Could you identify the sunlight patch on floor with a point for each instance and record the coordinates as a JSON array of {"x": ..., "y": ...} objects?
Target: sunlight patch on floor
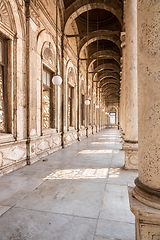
[
  {"x": 114, "y": 172},
  {"x": 108, "y": 138},
  {"x": 99, "y": 151},
  {"x": 111, "y": 135},
  {"x": 88, "y": 173},
  {"x": 105, "y": 143}
]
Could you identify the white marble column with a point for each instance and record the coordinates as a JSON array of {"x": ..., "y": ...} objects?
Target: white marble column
[
  {"x": 146, "y": 201},
  {"x": 131, "y": 102}
]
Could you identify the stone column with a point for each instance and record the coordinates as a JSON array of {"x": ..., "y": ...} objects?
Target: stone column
[
  {"x": 131, "y": 103},
  {"x": 97, "y": 110},
  {"x": 146, "y": 201},
  {"x": 122, "y": 99},
  {"x": 78, "y": 101},
  {"x": 122, "y": 77}
]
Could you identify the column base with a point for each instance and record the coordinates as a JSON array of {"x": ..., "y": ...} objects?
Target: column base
[
  {"x": 147, "y": 219},
  {"x": 131, "y": 154},
  {"x": 147, "y": 195}
]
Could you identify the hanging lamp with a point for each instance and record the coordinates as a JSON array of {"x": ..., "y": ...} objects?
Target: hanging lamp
[
  {"x": 57, "y": 80},
  {"x": 87, "y": 102},
  {"x": 97, "y": 106}
]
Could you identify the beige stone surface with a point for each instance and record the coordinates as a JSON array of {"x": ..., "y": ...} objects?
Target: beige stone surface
[
  {"x": 70, "y": 137},
  {"x": 148, "y": 91},
  {"x": 93, "y": 165},
  {"x": 131, "y": 155},
  {"x": 129, "y": 84}
]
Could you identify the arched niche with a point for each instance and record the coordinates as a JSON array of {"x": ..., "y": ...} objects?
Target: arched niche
[
  {"x": 70, "y": 74},
  {"x": 48, "y": 53},
  {"x": 70, "y": 96},
  {"x": 46, "y": 47}
]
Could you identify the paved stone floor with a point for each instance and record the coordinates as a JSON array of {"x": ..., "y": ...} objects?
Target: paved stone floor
[{"x": 77, "y": 193}]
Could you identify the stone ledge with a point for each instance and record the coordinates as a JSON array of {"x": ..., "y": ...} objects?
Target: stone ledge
[
  {"x": 49, "y": 131},
  {"x": 37, "y": 157},
  {"x": 13, "y": 167},
  {"x": 130, "y": 146},
  {"x": 6, "y": 138}
]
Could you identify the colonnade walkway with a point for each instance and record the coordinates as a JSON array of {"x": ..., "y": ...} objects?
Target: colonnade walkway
[{"x": 77, "y": 193}]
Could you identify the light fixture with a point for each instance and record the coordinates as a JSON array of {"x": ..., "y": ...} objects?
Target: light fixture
[
  {"x": 57, "y": 80},
  {"x": 103, "y": 110},
  {"x": 97, "y": 106},
  {"x": 87, "y": 102}
]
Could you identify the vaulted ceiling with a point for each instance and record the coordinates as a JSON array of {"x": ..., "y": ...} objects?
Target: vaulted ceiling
[{"x": 102, "y": 41}]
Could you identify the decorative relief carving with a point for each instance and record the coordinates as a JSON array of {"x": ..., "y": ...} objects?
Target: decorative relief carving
[
  {"x": 47, "y": 53},
  {"x": 71, "y": 78},
  {"x": 4, "y": 15},
  {"x": 34, "y": 17}
]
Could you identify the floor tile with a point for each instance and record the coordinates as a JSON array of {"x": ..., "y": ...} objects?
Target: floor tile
[
  {"x": 13, "y": 189},
  {"x": 66, "y": 197},
  {"x": 121, "y": 176},
  {"x": 3, "y": 209},
  {"x": 115, "y": 205},
  {"x": 22, "y": 224},
  {"x": 114, "y": 231}
]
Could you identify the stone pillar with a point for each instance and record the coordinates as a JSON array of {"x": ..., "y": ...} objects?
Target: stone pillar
[
  {"x": 131, "y": 103},
  {"x": 99, "y": 109},
  {"x": 122, "y": 99},
  {"x": 78, "y": 101},
  {"x": 145, "y": 202}
]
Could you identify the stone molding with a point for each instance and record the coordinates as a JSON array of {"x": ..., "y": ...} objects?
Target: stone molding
[
  {"x": 147, "y": 189},
  {"x": 147, "y": 219},
  {"x": 34, "y": 15},
  {"x": 146, "y": 195}
]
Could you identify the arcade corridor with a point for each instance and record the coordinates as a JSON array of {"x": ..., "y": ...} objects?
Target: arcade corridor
[{"x": 77, "y": 193}]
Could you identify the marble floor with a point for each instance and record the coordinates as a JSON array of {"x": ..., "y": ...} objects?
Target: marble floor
[{"x": 77, "y": 193}]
